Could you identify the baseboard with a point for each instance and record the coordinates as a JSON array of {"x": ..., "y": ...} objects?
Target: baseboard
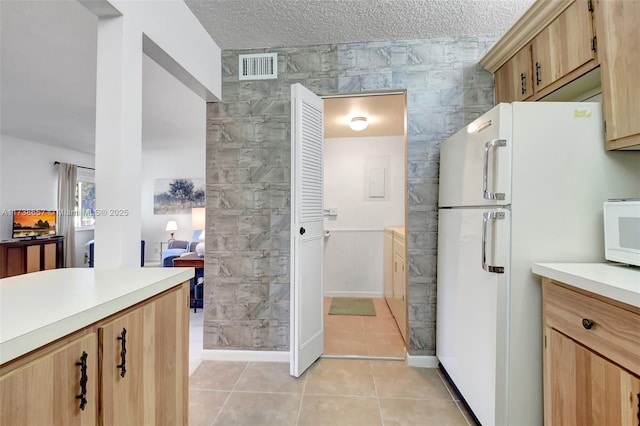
[
  {"x": 238, "y": 355},
  {"x": 373, "y": 294},
  {"x": 422, "y": 361},
  {"x": 193, "y": 365}
]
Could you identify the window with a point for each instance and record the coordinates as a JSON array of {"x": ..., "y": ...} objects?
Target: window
[{"x": 85, "y": 212}]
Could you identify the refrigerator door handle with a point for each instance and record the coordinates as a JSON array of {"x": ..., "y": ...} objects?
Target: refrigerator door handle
[
  {"x": 485, "y": 175},
  {"x": 485, "y": 218}
]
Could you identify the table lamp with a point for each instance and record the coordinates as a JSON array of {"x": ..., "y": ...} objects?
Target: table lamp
[
  {"x": 172, "y": 226},
  {"x": 198, "y": 219}
]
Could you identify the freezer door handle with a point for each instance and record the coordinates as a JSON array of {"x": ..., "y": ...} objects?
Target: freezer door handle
[
  {"x": 485, "y": 175},
  {"x": 487, "y": 216}
]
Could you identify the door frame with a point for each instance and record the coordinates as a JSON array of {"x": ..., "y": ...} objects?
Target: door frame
[{"x": 405, "y": 113}]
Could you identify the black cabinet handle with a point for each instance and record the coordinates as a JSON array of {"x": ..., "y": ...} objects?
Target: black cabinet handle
[
  {"x": 638, "y": 409},
  {"x": 123, "y": 352},
  {"x": 587, "y": 323},
  {"x": 83, "y": 380},
  {"x": 302, "y": 231},
  {"x": 538, "y": 79},
  {"x": 523, "y": 85}
]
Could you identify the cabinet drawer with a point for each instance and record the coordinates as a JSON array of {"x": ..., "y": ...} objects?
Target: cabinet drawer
[{"x": 615, "y": 332}]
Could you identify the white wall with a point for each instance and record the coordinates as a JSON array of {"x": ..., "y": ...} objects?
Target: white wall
[
  {"x": 29, "y": 178},
  {"x": 346, "y": 162},
  {"x": 170, "y": 34},
  {"x": 167, "y": 164},
  {"x": 353, "y": 251}
]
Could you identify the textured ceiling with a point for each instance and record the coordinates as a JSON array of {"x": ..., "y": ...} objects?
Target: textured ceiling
[{"x": 247, "y": 24}]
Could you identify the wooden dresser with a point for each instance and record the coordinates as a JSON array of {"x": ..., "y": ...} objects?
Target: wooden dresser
[{"x": 23, "y": 256}]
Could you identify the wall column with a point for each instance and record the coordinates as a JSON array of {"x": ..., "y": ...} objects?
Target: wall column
[{"x": 118, "y": 143}]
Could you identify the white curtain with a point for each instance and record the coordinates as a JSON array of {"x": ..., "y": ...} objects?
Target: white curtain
[{"x": 67, "y": 174}]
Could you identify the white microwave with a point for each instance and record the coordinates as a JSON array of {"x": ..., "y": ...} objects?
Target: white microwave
[{"x": 622, "y": 231}]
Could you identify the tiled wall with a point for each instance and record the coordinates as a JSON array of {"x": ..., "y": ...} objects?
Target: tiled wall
[{"x": 248, "y": 174}]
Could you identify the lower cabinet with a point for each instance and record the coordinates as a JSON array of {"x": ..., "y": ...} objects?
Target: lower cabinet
[
  {"x": 136, "y": 371},
  {"x": 587, "y": 389},
  {"x": 59, "y": 388},
  {"x": 395, "y": 282},
  {"x": 144, "y": 364},
  {"x": 591, "y": 359}
]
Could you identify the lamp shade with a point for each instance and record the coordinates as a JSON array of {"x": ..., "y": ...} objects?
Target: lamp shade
[
  {"x": 358, "y": 123},
  {"x": 171, "y": 226},
  {"x": 198, "y": 218}
]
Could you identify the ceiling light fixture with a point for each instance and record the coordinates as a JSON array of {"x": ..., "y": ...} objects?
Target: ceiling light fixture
[{"x": 358, "y": 123}]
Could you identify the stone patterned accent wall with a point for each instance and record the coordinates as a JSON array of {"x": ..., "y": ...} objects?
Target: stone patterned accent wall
[
  {"x": 248, "y": 174},
  {"x": 446, "y": 90},
  {"x": 248, "y": 199}
]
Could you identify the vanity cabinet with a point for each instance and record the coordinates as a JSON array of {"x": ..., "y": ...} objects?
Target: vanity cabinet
[
  {"x": 136, "y": 370},
  {"x": 395, "y": 276},
  {"x": 591, "y": 358}
]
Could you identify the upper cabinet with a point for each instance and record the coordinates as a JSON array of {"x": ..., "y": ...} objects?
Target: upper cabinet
[
  {"x": 561, "y": 51},
  {"x": 563, "y": 47},
  {"x": 513, "y": 80},
  {"x": 555, "y": 45},
  {"x": 619, "y": 55}
]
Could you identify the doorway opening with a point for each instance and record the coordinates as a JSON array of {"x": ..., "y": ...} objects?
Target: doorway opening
[{"x": 365, "y": 203}]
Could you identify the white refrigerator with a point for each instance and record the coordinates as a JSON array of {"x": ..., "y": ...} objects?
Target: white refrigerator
[{"x": 524, "y": 183}]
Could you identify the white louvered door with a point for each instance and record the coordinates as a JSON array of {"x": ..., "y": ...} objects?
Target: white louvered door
[{"x": 307, "y": 328}]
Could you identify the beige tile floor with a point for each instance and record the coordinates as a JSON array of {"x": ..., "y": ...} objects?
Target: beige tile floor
[
  {"x": 332, "y": 392},
  {"x": 362, "y": 335}
]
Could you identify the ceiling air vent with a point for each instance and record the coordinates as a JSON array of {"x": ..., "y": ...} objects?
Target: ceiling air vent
[{"x": 260, "y": 66}]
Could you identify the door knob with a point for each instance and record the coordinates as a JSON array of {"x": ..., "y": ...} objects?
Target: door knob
[{"x": 302, "y": 231}]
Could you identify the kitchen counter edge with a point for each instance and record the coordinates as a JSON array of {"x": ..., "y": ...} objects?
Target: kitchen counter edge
[
  {"x": 614, "y": 281},
  {"x": 20, "y": 334}
]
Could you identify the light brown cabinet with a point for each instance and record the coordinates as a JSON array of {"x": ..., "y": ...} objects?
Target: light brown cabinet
[
  {"x": 395, "y": 276},
  {"x": 618, "y": 40},
  {"x": 591, "y": 358},
  {"x": 559, "y": 53},
  {"x": 567, "y": 40},
  {"x": 513, "y": 81},
  {"x": 48, "y": 390},
  {"x": 137, "y": 371},
  {"x": 144, "y": 363},
  {"x": 563, "y": 47}
]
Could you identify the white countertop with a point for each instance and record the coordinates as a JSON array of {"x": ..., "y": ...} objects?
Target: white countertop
[
  {"x": 615, "y": 281},
  {"x": 40, "y": 307}
]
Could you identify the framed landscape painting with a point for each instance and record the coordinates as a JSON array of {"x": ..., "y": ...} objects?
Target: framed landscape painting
[{"x": 176, "y": 196}]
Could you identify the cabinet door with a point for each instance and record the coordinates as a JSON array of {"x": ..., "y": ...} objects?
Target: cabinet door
[
  {"x": 122, "y": 347},
  {"x": 563, "y": 46},
  {"x": 50, "y": 255},
  {"x": 44, "y": 392},
  {"x": 618, "y": 38},
  {"x": 513, "y": 81},
  {"x": 582, "y": 388},
  {"x": 154, "y": 387},
  {"x": 33, "y": 258},
  {"x": 387, "y": 265},
  {"x": 399, "y": 299}
]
